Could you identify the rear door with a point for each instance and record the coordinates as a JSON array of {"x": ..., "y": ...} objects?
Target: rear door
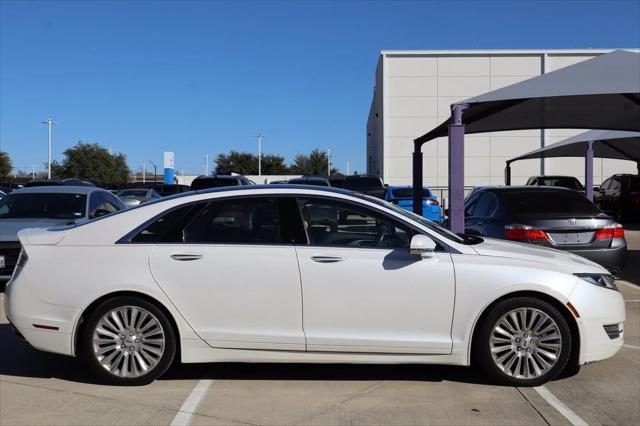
[{"x": 232, "y": 274}]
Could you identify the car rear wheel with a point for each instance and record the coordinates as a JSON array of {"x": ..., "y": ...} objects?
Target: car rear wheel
[
  {"x": 523, "y": 341},
  {"x": 128, "y": 341}
]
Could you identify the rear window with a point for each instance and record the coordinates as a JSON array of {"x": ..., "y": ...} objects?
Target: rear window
[
  {"x": 47, "y": 206},
  {"x": 563, "y": 182},
  {"x": 363, "y": 183},
  {"x": 634, "y": 183},
  {"x": 133, "y": 193},
  {"x": 548, "y": 203},
  {"x": 213, "y": 183},
  {"x": 408, "y": 193}
]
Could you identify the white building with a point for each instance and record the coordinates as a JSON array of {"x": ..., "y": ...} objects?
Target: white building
[{"x": 414, "y": 91}]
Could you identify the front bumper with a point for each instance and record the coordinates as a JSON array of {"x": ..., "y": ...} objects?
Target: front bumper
[{"x": 598, "y": 307}]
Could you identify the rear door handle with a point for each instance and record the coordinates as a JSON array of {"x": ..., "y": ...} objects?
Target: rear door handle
[
  {"x": 185, "y": 257},
  {"x": 327, "y": 259}
]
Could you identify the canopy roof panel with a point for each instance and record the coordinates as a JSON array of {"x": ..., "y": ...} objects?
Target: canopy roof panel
[
  {"x": 600, "y": 93},
  {"x": 606, "y": 144}
]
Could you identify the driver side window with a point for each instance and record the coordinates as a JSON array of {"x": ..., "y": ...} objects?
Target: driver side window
[{"x": 335, "y": 224}]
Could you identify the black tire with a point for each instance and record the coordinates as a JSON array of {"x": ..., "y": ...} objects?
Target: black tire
[
  {"x": 86, "y": 345},
  {"x": 482, "y": 347}
]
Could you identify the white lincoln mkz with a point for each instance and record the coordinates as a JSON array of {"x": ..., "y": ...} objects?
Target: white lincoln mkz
[{"x": 303, "y": 274}]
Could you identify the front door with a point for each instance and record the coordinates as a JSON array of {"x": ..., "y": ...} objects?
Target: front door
[
  {"x": 363, "y": 291},
  {"x": 229, "y": 274}
]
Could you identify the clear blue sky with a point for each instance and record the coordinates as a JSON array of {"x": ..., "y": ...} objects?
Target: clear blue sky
[{"x": 204, "y": 77}]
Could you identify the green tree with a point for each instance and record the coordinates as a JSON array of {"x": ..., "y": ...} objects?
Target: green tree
[
  {"x": 243, "y": 163},
  {"x": 246, "y": 163},
  {"x": 5, "y": 165},
  {"x": 93, "y": 163},
  {"x": 313, "y": 164}
]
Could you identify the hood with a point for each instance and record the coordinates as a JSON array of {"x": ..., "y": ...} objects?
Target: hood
[
  {"x": 9, "y": 227},
  {"x": 541, "y": 256}
]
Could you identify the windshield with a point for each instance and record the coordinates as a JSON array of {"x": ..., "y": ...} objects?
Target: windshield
[
  {"x": 133, "y": 193},
  {"x": 408, "y": 193},
  {"x": 560, "y": 203},
  {"x": 47, "y": 206},
  {"x": 444, "y": 232}
]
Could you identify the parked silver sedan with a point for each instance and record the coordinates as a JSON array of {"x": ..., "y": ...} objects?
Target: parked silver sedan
[{"x": 135, "y": 197}]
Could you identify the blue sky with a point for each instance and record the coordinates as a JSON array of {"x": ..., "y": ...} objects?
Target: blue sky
[{"x": 204, "y": 77}]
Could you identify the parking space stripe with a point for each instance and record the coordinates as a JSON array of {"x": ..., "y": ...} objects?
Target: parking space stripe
[
  {"x": 189, "y": 406},
  {"x": 631, "y": 346},
  {"x": 573, "y": 418}
]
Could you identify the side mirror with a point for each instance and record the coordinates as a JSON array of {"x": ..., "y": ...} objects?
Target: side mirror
[
  {"x": 422, "y": 245},
  {"x": 98, "y": 213}
]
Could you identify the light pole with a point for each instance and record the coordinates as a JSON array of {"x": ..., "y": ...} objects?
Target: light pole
[
  {"x": 206, "y": 164},
  {"x": 144, "y": 172},
  {"x": 49, "y": 121},
  {"x": 328, "y": 161},
  {"x": 347, "y": 167},
  {"x": 155, "y": 170},
  {"x": 259, "y": 136}
]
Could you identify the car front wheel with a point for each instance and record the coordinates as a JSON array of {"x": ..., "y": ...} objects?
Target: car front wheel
[
  {"x": 523, "y": 341},
  {"x": 128, "y": 341}
]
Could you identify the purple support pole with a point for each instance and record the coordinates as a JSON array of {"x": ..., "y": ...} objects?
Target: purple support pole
[
  {"x": 507, "y": 174},
  {"x": 417, "y": 179},
  {"x": 456, "y": 169},
  {"x": 588, "y": 170}
]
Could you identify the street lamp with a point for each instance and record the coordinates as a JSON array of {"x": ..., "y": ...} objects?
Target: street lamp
[
  {"x": 49, "y": 121},
  {"x": 259, "y": 136},
  {"x": 155, "y": 170}
]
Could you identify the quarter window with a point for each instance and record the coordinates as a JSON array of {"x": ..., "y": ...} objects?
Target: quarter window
[{"x": 330, "y": 223}]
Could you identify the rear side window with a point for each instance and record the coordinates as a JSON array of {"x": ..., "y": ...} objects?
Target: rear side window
[
  {"x": 235, "y": 221},
  {"x": 169, "y": 227},
  {"x": 486, "y": 205}
]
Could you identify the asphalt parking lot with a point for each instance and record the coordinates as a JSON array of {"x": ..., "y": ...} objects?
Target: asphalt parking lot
[{"x": 41, "y": 388}]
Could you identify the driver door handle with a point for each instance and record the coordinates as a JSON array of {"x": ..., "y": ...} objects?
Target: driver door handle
[
  {"x": 327, "y": 259},
  {"x": 185, "y": 257}
]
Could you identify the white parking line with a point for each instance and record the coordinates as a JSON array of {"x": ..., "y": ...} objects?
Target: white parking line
[
  {"x": 573, "y": 418},
  {"x": 189, "y": 406},
  {"x": 632, "y": 300},
  {"x": 631, "y": 346}
]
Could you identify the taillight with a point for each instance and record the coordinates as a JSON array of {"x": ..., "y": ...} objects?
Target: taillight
[
  {"x": 611, "y": 231},
  {"x": 524, "y": 232},
  {"x": 432, "y": 202}
]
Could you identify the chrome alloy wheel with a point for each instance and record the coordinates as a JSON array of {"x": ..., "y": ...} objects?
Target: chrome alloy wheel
[
  {"x": 525, "y": 343},
  {"x": 128, "y": 341}
]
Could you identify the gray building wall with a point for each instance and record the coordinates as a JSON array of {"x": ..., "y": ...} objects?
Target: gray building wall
[{"x": 413, "y": 93}]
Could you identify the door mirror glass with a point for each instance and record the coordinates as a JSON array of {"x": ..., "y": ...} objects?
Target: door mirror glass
[{"x": 422, "y": 245}]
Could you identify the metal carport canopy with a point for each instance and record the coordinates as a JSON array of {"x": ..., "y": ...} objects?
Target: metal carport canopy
[
  {"x": 620, "y": 145},
  {"x": 599, "y": 93}
]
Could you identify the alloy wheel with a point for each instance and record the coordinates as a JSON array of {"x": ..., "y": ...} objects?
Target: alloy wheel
[
  {"x": 128, "y": 341},
  {"x": 525, "y": 343}
]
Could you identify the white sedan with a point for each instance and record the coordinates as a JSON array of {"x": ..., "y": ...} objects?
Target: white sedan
[{"x": 304, "y": 274}]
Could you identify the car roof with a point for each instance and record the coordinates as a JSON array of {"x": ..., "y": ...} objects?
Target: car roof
[
  {"x": 234, "y": 177},
  {"x": 309, "y": 178},
  {"x": 519, "y": 188},
  {"x": 58, "y": 189},
  {"x": 555, "y": 176}
]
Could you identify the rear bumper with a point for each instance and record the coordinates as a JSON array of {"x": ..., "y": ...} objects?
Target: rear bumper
[{"x": 610, "y": 258}]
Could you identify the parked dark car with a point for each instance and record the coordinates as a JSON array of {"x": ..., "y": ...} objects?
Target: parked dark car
[
  {"x": 310, "y": 180},
  {"x": 44, "y": 207},
  {"x": 167, "y": 189},
  {"x": 218, "y": 181},
  {"x": 552, "y": 217},
  {"x": 570, "y": 182},
  {"x": 8, "y": 187},
  {"x": 369, "y": 185},
  {"x": 620, "y": 197}
]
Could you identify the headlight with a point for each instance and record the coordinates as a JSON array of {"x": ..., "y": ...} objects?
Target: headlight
[{"x": 601, "y": 280}]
